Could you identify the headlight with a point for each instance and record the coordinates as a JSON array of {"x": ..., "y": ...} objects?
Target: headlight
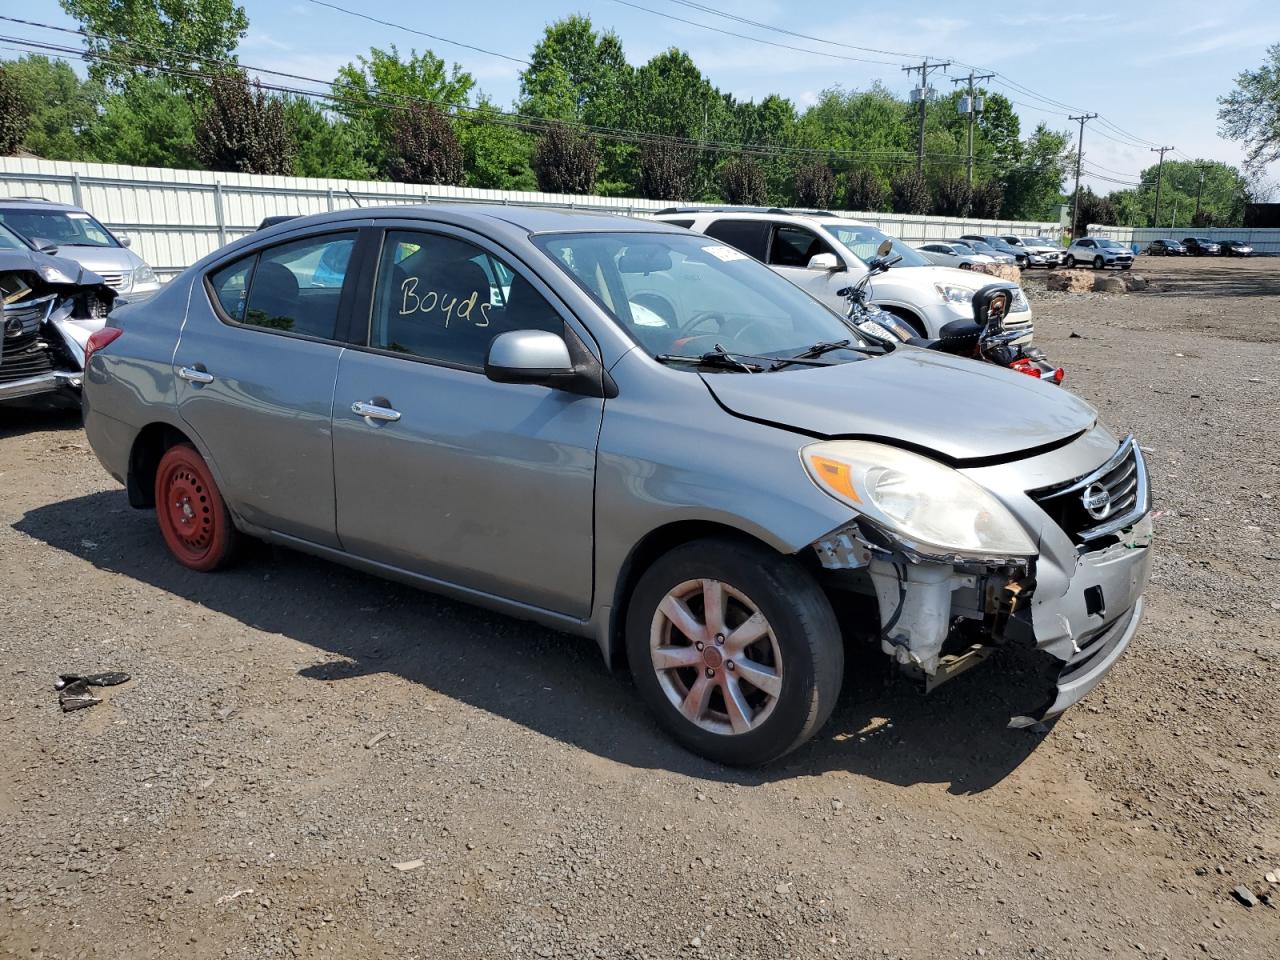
[
  {"x": 143, "y": 274},
  {"x": 953, "y": 294},
  {"x": 54, "y": 275},
  {"x": 933, "y": 507}
]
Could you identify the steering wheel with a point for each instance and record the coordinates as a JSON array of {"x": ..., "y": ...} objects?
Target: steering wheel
[{"x": 701, "y": 317}]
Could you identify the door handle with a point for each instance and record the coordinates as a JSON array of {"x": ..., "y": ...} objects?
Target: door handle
[
  {"x": 371, "y": 411},
  {"x": 195, "y": 375}
]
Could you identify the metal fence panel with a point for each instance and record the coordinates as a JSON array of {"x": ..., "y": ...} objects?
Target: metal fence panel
[{"x": 175, "y": 217}]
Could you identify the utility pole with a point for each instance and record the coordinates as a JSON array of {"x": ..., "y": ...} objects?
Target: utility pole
[
  {"x": 924, "y": 70},
  {"x": 1075, "y": 202},
  {"x": 972, "y": 111},
  {"x": 1199, "y": 190},
  {"x": 1155, "y": 221}
]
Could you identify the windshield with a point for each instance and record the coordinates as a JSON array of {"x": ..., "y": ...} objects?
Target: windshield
[
  {"x": 864, "y": 241},
  {"x": 686, "y": 296},
  {"x": 10, "y": 240},
  {"x": 66, "y": 228},
  {"x": 977, "y": 246},
  {"x": 1112, "y": 245}
]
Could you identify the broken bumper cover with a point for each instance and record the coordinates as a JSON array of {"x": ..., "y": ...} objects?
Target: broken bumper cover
[
  {"x": 44, "y": 383},
  {"x": 1084, "y": 670}
]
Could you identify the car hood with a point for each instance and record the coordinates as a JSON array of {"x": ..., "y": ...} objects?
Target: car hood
[
  {"x": 959, "y": 408},
  {"x": 23, "y": 260},
  {"x": 102, "y": 259},
  {"x": 951, "y": 276}
]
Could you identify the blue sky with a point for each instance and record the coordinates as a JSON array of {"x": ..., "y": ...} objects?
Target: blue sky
[{"x": 1154, "y": 70}]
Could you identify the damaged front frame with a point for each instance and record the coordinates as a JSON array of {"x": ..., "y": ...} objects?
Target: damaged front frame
[{"x": 924, "y": 599}]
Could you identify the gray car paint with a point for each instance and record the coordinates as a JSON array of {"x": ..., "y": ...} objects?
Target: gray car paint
[{"x": 674, "y": 447}]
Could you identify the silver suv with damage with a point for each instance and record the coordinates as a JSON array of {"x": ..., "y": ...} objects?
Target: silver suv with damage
[{"x": 631, "y": 432}]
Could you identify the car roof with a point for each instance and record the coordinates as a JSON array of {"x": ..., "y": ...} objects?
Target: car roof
[
  {"x": 36, "y": 203},
  {"x": 756, "y": 213},
  {"x": 499, "y": 220}
]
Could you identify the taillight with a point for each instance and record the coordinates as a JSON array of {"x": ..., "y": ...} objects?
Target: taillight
[{"x": 99, "y": 340}]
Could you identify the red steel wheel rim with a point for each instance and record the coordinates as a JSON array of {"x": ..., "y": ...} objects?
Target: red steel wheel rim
[{"x": 189, "y": 519}]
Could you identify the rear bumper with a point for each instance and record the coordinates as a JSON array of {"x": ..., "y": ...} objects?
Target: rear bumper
[{"x": 44, "y": 383}]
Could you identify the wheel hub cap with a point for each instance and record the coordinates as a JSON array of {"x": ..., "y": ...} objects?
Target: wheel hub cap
[{"x": 716, "y": 657}]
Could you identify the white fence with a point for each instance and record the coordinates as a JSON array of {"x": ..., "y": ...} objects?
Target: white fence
[
  {"x": 1262, "y": 240},
  {"x": 175, "y": 217}
]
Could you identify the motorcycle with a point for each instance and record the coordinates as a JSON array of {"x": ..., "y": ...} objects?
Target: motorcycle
[{"x": 986, "y": 338}]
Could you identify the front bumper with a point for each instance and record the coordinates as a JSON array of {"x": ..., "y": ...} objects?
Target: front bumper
[{"x": 1074, "y": 609}]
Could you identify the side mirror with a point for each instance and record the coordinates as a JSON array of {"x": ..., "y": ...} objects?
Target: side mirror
[
  {"x": 44, "y": 246},
  {"x": 885, "y": 249},
  {"x": 125, "y": 241},
  {"x": 824, "y": 261},
  {"x": 529, "y": 356}
]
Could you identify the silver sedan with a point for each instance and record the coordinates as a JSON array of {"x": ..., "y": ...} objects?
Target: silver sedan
[{"x": 630, "y": 432}]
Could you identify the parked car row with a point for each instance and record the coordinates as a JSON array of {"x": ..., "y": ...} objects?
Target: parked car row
[
  {"x": 640, "y": 432},
  {"x": 1199, "y": 247}
]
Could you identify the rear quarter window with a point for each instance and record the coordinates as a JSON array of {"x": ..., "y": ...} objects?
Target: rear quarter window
[{"x": 230, "y": 285}]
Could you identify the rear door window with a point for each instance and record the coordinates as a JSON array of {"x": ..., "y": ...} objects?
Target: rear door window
[
  {"x": 749, "y": 236},
  {"x": 230, "y": 285},
  {"x": 297, "y": 286}
]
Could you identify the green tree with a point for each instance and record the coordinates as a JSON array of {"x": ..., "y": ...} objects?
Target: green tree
[
  {"x": 871, "y": 124},
  {"x": 988, "y": 200},
  {"x": 169, "y": 34},
  {"x": 997, "y": 130},
  {"x": 374, "y": 92},
  {"x": 148, "y": 123},
  {"x": 243, "y": 130},
  {"x": 1033, "y": 186},
  {"x": 574, "y": 73},
  {"x": 1251, "y": 112},
  {"x": 62, "y": 106},
  {"x": 1094, "y": 209},
  {"x": 328, "y": 145},
  {"x": 498, "y": 156},
  {"x": 14, "y": 111}
]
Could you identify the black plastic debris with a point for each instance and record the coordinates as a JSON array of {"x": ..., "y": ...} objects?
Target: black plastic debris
[{"x": 74, "y": 689}]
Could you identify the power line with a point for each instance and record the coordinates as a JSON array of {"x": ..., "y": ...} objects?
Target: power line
[
  {"x": 1003, "y": 79},
  {"x": 520, "y": 121},
  {"x": 743, "y": 36},
  {"x": 420, "y": 33}
]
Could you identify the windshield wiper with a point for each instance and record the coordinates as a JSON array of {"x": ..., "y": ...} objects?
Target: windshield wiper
[
  {"x": 719, "y": 357},
  {"x": 825, "y": 346}
]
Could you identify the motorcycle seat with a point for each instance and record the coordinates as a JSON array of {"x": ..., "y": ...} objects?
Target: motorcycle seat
[{"x": 958, "y": 337}]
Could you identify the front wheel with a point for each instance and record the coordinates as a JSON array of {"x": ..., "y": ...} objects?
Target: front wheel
[
  {"x": 193, "y": 518},
  {"x": 1071, "y": 260},
  {"x": 735, "y": 649},
  {"x": 1098, "y": 263}
]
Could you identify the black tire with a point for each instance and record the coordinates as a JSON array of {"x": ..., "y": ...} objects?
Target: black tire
[
  {"x": 1125, "y": 266},
  {"x": 802, "y": 621},
  {"x": 1099, "y": 263},
  {"x": 1071, "y": 261}
]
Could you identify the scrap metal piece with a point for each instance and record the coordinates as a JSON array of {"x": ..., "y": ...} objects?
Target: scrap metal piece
[{"x": 76, "y": 696}]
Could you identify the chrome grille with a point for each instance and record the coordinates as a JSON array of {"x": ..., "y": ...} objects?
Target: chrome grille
[
  {"x": 114, "y": 280},
  {"x": 22, "y": 351},
  {"x": 1105, "y": 501}
]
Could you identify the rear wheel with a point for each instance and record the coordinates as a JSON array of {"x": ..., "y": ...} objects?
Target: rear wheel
[
  {"x": 735, "y": 649},
  {"x": 193, "y": 518}
]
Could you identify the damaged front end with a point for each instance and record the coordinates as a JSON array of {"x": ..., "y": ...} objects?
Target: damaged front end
[
  {"x": 1077, "y": 598},
  {"x": 48, "y": 316}
]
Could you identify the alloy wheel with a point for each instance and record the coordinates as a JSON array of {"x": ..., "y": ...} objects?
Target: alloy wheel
[{"x": 716, "y": 657}]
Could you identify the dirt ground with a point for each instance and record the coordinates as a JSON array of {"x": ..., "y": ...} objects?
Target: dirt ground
[{"x": 234, "y": 800}]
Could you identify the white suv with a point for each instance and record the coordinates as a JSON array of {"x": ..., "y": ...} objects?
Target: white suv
[{"x": 825, "y": 253}]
